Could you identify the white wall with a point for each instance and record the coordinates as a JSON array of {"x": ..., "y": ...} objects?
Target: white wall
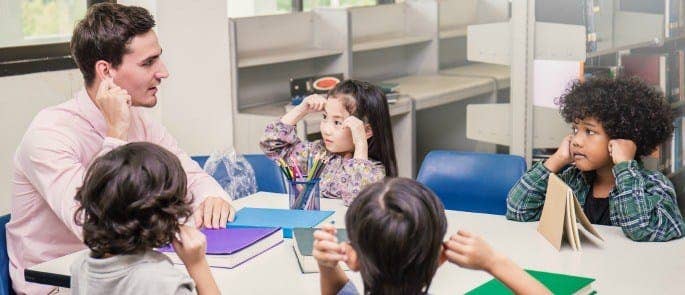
[
  {"x": 193, "y": 104},
  {"x": 196, "y": 107}
]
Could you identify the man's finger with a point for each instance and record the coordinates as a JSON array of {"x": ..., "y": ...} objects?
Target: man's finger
[
  {"x": 198, "y": 216},
  {"x": 225, "y": 212},
  {"x": 207, "y": 218},
  {"x": 216, "y": 214}
]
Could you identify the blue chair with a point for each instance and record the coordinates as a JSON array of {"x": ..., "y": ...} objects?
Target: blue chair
[
  {"x": 268, "y": 175},
  {"x": 469, "y": 181},
  {"x": 5, "y": 283}
]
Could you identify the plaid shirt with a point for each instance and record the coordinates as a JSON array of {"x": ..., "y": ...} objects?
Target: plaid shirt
[{"x": 643, "y": 202}]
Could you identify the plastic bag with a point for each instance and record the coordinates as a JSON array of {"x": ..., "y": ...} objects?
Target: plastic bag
[{"x": 233, "y": 172}]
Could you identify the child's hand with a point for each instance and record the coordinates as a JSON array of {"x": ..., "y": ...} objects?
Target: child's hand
[
  {"x": 561, "y": 157},
  {"x": 313, "y": 103},
  {"x": 310, "y": 104},
  {"x": 327, "y": 251},
  {"x": 191, "y": 247},
  {"x": 357, "y": 128},
  {"x": 622, "y": 150},
  {"x": 470, "y": 251}
]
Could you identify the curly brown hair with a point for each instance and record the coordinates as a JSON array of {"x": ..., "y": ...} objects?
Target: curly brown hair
[
  {"x": 626, "y": 107},
  {"x": 133, "y": 199}
]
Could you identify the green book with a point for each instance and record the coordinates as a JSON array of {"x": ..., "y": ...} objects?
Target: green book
[
  {"x": 303, "y": 245},
  {"x": 557, "y": 283}
]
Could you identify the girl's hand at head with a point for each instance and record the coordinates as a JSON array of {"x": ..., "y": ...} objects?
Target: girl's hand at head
[
  {"x": 191, "y": 247},
  {"x": 313, "y": 103},
  {"x": 470, "y": 251},
  {"x": 357, "y": 128},
  {"x": 327, "y": 251}
]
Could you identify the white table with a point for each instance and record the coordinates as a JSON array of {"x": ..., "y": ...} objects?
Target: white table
[{"x": 620, "y": 266}]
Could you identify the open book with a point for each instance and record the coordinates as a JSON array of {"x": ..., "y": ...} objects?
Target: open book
[{"x": 560, "y": 215}]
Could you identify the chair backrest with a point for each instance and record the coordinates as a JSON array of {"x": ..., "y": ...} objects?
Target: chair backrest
[
  {"x": 5, "y": 283},
  {"x": 268, "y": 175},
  {"x": 469, "y": 181}
]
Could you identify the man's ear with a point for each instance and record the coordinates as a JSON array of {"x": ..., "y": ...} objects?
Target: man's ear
[
  {"x": 352, "y": 258},
  {"x": 369, "y": 131},
  {"x": 103, "y": 70}
]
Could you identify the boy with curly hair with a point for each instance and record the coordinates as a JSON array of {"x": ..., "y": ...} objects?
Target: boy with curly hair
[
  {"x": 614, "y": 124},
  {"x": 133, "y": 200}
]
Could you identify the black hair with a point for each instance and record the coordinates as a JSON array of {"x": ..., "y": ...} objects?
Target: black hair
[
  {"x": 132, "y": 200},
  {"x": 396, "y": 227},
  {"x": 627, "y": 108},
  {"x": 368, "y": 103}
]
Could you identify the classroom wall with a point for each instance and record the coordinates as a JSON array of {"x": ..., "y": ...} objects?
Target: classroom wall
[{"x": 194, "y": 102}]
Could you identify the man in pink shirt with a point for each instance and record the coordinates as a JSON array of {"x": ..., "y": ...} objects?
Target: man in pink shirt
[{"x": 119, "y": 57}]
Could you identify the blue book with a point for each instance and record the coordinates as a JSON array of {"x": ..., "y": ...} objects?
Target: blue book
[{"x": 286, "y": 219}]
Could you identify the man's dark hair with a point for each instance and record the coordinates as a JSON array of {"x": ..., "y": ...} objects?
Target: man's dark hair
[
  {"x": 104, "y": 33},
  {"x": 132, "y": 199},
  {"x": 396, "y": 226},
  {"x": 627, "y": 108}
]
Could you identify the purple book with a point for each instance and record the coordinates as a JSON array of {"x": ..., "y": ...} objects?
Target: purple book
[{"x": 230, "y": 247}]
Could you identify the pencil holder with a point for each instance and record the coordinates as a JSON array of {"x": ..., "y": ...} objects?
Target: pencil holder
[{"x": 304, "y": 195}]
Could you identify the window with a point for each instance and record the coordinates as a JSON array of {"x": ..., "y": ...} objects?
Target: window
[
  {"x": 243, "y": 8},
  {"x": 34, "y": 34},
  {"x": 311, "y": 4},
  {"x": 31, "y": 22}
]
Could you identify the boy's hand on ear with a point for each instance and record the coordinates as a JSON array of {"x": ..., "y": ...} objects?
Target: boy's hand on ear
[
  {"x": 470, "y": 251},
  {"x": 622, "y": 150},
  {"x": 561, "y": 157},
  {"x": 191, "y": 246},
  {"x": 115, "y": 105},
  {"x": 327, "y": 251}
]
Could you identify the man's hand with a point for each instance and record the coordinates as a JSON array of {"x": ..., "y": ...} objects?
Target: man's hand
[
  {"x": 115, "y": 105},
  {"x": 213, "y": 212}
]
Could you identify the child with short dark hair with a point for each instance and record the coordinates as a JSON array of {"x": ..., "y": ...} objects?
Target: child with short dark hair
[
  {"x": 132, "y": 201},
  {"x": 614, "y": 124},
  {"x": 396, "y": 229}
]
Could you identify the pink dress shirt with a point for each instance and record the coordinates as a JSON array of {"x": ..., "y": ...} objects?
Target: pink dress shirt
[{"x": 49, "y": 166}]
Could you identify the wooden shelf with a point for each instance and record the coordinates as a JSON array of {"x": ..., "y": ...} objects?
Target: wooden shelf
[
  {"x": 452, "y": 32},
  {"x": 500, "y": 73},
  {"x": 386, "y": 41},
  {"x": 434, "y": 90},
  {"x": 273, "y": 56}
]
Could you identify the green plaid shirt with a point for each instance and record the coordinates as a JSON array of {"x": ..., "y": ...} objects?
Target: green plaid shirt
[{"x": 643, "y": 202}]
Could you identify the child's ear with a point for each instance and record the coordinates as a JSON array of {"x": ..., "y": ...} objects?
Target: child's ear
[
  {"x": 369, "y": 131},
  {"x": 352, "y": 258},
  {"x": 442, "y": 258}
]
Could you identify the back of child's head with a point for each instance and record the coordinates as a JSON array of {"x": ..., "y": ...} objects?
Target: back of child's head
[
  {"x": 396, "y": 227},
  {"x": 131, "y": 200},
  {"x": 627, "y": 108},
  {"x": 368, "y": 103}
]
